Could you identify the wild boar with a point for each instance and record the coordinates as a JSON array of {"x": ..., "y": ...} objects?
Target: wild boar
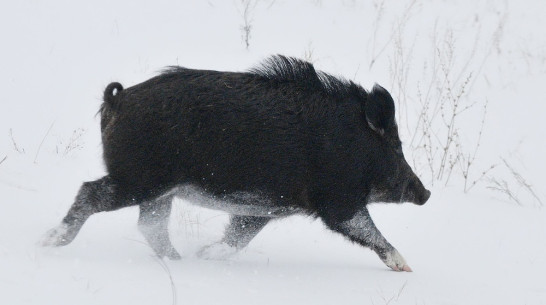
[{"x": 274, "y": 141}]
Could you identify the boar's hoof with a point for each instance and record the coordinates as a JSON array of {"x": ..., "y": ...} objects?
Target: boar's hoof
[
  {"x": 217, "y": 251},
  {"x": 396, "y": 262},
  {"x": 172, "y": 254},
  {"x": 166, "y": 251},
  {"x": 58, "y": 236},
  {"x": 163, "y": 248}
]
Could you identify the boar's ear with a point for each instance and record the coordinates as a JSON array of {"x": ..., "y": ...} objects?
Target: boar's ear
[{"x": 379, "y": 109}]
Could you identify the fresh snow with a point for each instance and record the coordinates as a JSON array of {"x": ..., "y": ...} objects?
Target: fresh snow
[{"x": 464, "y": 248}]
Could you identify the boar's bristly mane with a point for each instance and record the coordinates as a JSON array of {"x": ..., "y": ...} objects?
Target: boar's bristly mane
[{"x": 288, "y": 69}]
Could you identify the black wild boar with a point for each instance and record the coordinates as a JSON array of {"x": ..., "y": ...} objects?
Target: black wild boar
[{"x": 278, "y": 140}]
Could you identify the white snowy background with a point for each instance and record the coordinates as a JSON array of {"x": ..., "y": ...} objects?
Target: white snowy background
[{"x": 472, "y": 243}]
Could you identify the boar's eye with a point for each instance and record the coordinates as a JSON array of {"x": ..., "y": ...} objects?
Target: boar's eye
[{"x": 398, "y": 150}]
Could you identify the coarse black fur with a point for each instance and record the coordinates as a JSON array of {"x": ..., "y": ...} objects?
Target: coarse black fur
[
  {"x": 287, "y": 69},
  {"x": 282, "y": 131}
]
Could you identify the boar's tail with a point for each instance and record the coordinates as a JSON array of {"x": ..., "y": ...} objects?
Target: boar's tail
[
  {"x": 109, "y": 97},
  {"x": 109, "y": 105}
]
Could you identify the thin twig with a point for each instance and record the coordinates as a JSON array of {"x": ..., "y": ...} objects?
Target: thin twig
[
  {"x": 246, "y": 28},
  {"x": 519, "y": 178},
  {"x": 168, "y": 271},
  {"x": 502, "y": 187},
  {"x": 15, "y": 146},
  {"x": 4, "y": 159},
  {"x": 43, "y": 139},
  {"x": 164, "y": 267}
]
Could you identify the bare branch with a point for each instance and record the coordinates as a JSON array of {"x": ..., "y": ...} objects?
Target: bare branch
[
  {"x": 42, "y": 142},
  {"x": 15, "y": 146}
]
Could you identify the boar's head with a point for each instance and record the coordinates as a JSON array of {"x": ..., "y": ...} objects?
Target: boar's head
[{"x": 390, "y": 177}]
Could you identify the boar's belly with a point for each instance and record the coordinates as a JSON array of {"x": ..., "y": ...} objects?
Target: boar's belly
[{"x": 237, "y": 203}]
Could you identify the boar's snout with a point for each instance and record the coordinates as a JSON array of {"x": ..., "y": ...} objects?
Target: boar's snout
[
  {"x": 415, "y": 192},
  {"x": 424, "y": 197}
]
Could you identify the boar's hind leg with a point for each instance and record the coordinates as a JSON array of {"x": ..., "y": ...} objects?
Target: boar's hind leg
[
  {"x": 93, "y": 197},
  {"x": 239, "y": 232},
  {"x": 242, "y": 229},
  {"x": 153, "y": 222},
  {"x": 361, "y": 229}
]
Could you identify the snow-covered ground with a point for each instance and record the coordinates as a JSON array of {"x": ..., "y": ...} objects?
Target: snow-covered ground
[{"x": 479, "y": 247}]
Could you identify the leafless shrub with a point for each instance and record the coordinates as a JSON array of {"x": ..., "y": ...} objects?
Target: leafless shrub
[
  {"x": 443, "y": 146},
  {"x": 377, "y": 51},
  {"x": 436, "y": 133},
  {"x": 435, "y": 107},
  {"x": 467, "y": 159},
  {"x": 437, "y": 145},
  {"x": 400, "y": 65},
  {"x": 379, "y": 7},
  {"x": 500, "y": 185},
  {"x": 515, "y": 189},
  {"x": 75, "y": 142},
  {"x": 248, "y": 7}
]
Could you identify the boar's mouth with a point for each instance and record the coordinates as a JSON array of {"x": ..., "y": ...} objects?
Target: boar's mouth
[
  {"x": 416, "y": 194},
  {"x": 409, "y": 191}
]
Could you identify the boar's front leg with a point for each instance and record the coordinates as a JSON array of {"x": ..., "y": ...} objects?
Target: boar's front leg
[{"x": 361, "y": 229}]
